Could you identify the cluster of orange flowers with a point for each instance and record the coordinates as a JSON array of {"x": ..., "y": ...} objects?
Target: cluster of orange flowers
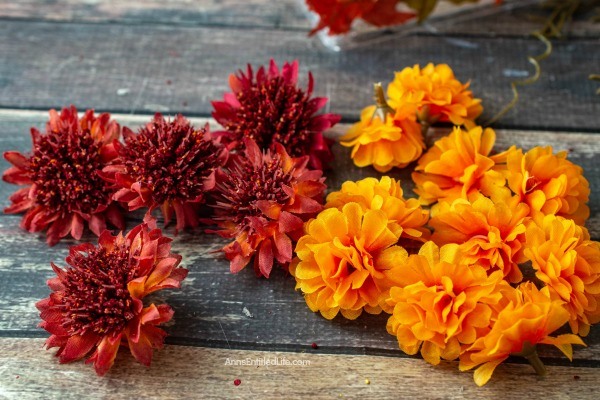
[{"x": 496, "y": 266}]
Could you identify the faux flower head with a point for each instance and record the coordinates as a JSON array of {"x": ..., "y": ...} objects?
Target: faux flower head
[
  {"x": 385, "y": 194},
  {"x": 440, "y": 304},
  {"x": 167, "y": 165},
  {"x": 270, "y": 108},
  {"x": 460, "y": 166},
  {"x": 549, "y": 183},
  {"x": 527, "y": 317},
  {"x": 262, "y": 201},
  {"x": 96, "y": 302},
  {"x": 344, "y": 260},
  {"x": 489, "y": 234},
  {"x": 436, "y": 92},
  {"x": 568, "y": 263},
  {"x": 64, "y": 192}
]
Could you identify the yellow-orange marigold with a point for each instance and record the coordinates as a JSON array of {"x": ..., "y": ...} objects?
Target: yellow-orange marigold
[
  {"x": 568, "y": 262},
  {"x": 440, "y": 303},
  {"x": 437, "y": 93},
  {"x": 490, "y": 234},
  {"x": 342, "y": 260},
  {"x": 549, "y": 183},
  {"x": 528, "y": 316}
]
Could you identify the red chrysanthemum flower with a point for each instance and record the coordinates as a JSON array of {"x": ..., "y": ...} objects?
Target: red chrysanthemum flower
[
  {"x": 168, "y": 165},
  {"x": 64, "y": 191},
  {"x": 96, "y": 302},
  {"x": 263, "y": 201},
  {"x": 269, "y": 108}
]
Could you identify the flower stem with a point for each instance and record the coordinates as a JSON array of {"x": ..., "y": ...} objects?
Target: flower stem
[
  {"x": 383, "y": 108},
  {"x": 529, "y": 352}
]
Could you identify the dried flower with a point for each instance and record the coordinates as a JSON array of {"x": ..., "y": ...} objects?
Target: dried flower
[
  {"x": 568, "y": 262},
  {"x": 262, "y": 202},
  {"x": 168, "y": 165},
  {"x": 269, "y": 108},
  {"x": 345, "y": 261},
  {"x": 64, "y": 192},
  {"x": 96, "y": 302},
  {"x": 549, "y": 183}
]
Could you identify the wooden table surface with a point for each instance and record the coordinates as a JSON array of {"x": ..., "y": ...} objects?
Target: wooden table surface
[{"x": 132, "y": 58}]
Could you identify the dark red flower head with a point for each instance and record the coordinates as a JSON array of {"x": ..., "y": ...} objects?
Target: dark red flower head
[
  {"x": 262, "y": 201},
  {"x": 64, "y": 190},
  {"x": 96, "y": 302},
  {"x": 168, "y": 165},
  {"x": 269, "y": 108}
]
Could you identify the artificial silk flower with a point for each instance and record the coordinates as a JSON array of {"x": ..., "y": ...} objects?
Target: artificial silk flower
[
  {"x": 96, "y": 305},
  {"x": 526, "y": 317},
  {"x": 166, "y": 165},
  {"x": 568, "y": 263},
  {"x": 440, "y": 304},
  {"x": 345, "y": 260},
  {"x": 549, "y": 183},
  {"x": 262, "y": 201},
  {"x": 489, "y": 234},
  {"x": 270, "y": 108},
  {"x": 437, "y": 94},
  {"x": 64, "y": 192}
]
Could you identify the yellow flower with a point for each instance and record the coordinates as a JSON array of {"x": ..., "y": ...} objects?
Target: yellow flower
[
  {"x": 440, "y": 303},
  {"x": 490, "y": 234},
  {"x": 527, "y": 317},
  {"x": 549, "y": 183},
  {"x": 437, "y": 93},
  {"x": 395, "y": 142},
  {"x": 342, "y": 260},
  {"x": 460, "y": 166},
  {"x": 385, "y": 194},
  {"x": 568, "y": 262}
]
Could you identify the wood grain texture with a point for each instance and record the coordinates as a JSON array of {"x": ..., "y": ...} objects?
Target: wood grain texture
[{"x": 190, "y": 372}]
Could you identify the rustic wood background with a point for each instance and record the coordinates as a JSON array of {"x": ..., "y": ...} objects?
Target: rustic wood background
[{"x": 134, "y": 58}]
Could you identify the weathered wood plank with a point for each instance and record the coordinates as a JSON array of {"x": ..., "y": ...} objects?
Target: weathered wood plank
[
  {"x": 191, "y": 372},
  {"x": 50, "y": 65}
]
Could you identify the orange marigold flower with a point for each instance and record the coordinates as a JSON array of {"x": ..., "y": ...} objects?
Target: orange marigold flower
[
  {"x": 439, "y": 96},
  {"x": 526, "y": 318},
  {"x": 440, "y": 304},
  {"x": 489, "y": 234},
  {"x": 344, "y": 261},
  {"x": 385, "y": 194},
  {"x": 568, "y": 262},
  {"x": 96, "y": 302},
  {"x": 549, "y": 183},
  {"x": 461, "y": 166}
]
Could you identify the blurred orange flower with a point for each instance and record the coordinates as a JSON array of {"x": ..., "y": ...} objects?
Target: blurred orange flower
[
  {"x": 549, "y": 183},
  {"x": 568, "y": 262},
  {"x": 344, "y": 259},
  {"x": 490, "y": 234},
  {"x": 441, "y": 303}
]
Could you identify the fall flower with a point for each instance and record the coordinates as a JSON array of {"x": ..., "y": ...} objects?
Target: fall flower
[
  {"x": 96, "y": 302},
  {"x": 461, "y": 166},
  {"x": 549, "y": 183},
  {"x": 440, "y": 304},
  {"x": 489, "y": 234},
  {"x": 269, "y": 108},
  {"x": 262, "y": 201},
  {"x": 168, "y": 165},
  {"x": 568, "y": 262},
  {"x": 344, "y": 261},
  {"x": 528, "y": 317},
  {"x": 439, "y": 96},
  {"x": 64, "y": 192}
]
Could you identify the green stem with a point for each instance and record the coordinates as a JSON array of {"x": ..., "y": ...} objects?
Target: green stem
[{"x": 383, "y": 108}]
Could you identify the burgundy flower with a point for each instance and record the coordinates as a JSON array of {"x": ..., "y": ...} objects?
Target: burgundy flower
[
  {"x": 96, "y": 302},
  {"x": 64, "y": 190},
  {"x": 269, "y": 108},
  {"x": 262, "y": 202},
  {"x": 168, "y": 165}
]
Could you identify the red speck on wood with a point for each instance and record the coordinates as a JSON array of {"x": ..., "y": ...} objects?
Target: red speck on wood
[
  {"x": 237, "y": 382},
  {"x": 314, "y": 346}
]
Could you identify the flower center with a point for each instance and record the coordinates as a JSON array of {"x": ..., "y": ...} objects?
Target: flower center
[{"x": 531, "y": 183}]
